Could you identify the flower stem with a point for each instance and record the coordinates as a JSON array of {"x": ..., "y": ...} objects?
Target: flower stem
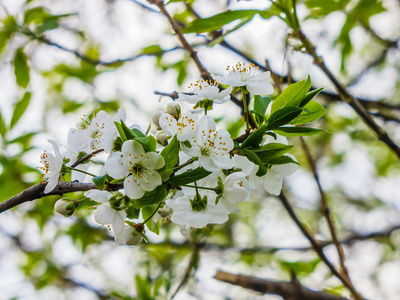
[
  {"x": 81, "y": 171},
  {"x": 199, "y": 187},
  {"x": 154, "y": 212},
  {"x": 245, "y": 98},
  {"x": 193, "y": 159}
]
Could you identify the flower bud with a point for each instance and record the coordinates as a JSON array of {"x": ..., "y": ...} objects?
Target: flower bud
[
  {"x": 173, "y": 109},
  {"x": 155, "y": 118},
  {"x": 129, "y": 237},
  {"x": 161, "y": 137},
  {"x": 65, "y": 208}
]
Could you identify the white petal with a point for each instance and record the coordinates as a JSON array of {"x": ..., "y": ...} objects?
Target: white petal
[
  {"x": 207, "y": 163},
  {"x": 229, "y": 206},
  {"x": 98, "y": 196},
  {"x": 51, "y": 184},
  {"x": 119, "y": 224},
  {"x": 151, "y": 182},
  {"x": 104, "y": 214},
  {"x": 153, "y": 160},
  {"x": 193, "y": 99},
  {"x": 222, "y": 162},
  {"x": 260, "y": 87},
  {"x": 78, "y": 140},
  {"x": 117, "y": 167},
  {"x": 133, "y": 189},
  {"x": 168, "y": 124},
  {"x": 132, "y": 147}
]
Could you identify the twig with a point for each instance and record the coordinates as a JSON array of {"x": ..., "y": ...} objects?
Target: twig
[
  {"x": 193, "y": 259},
  {"x": 37, "y": 192},
  {"x": 292, "y": 290},
  {"x": 85, "y": 158},
  {"x": 325, "y": 208},
  {"x": 318, "y": 249}
]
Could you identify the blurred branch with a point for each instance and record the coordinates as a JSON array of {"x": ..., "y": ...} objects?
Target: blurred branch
[
  {"x": 193, "y": 260},
  {"x": 346, "y": 96},
  {"x": 292, "y": 290},
  {"x": 325, "y": 208},
  {"x": 37, "y": 192},
  {"x": 318, "y": 249}
]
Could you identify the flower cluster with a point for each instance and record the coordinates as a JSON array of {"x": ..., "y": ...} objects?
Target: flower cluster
[{"x": 187, "y": 170}]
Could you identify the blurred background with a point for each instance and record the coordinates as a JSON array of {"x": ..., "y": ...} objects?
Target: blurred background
[{"x": 62, "y": 59}]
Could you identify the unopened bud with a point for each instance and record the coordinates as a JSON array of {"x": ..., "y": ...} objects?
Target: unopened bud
[
  {"x": 155, "y": 118},
  {"x": 173, "y": 109},
  {"x": 161, "y": 137},
  {"x": 65, "y": 208},
  {"x": 129, "y": 236}
]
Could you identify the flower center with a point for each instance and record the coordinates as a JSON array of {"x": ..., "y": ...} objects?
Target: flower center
[{"x": 137, "y": 169}]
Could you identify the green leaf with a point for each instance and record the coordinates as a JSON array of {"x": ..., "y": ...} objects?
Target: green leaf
[
  {"x": 151, "y": 50},
  {"x": 293, "y": 95},
  {"x": 171, "y": 157},
  {"x": 320, "y": 8},
  {"x": 149, "y": 143},
  {"x": 255, "y": 138},
  {"x": 270, "y": 152},
  {"x": 3, "y": 127},
  {"x": 262, "y": 170},
  {"x": 129, "y": 134},
  {"x": 309, "y": 96},
  {"x": 297, "y": 131},
  {"x": 36, "y": 15},
  {"x": 260, "y": 107},
  {"x": 153, "y": 197},
  {"x": 21, "y": 68},
  {"x": 311, "y": 112},
  {"x": 218, "y": 21},
  {"x": 283, "y": 116},
  {"x": 189, "y": 176},
  {"x": 99, "y": 181},
  {"x": 146, "y": 213},
  {"x": 20, "y": 108}
]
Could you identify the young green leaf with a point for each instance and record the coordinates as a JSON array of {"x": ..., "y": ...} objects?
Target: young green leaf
[
  {"x": 270, "y": 152},
  {"x": 309, "y": 96},
  {"x": 149, "y": 143},
  {"x": 153, "y": 197},
  {"x": 297, "y": 131},
  {"x": 311, "y": 112},
  {"x": 283, "y": 116},
  {"x": 20, "y": 108},
  {"x": 3, "y": 127},
  {"x": 293, "y": 95},
  {"x": 262, "y": 168},
  {"x": 189, "y": 176},
  {"x": 99, "y": 181},
  {"x": 171, "y": 157},
  {"x": 255, "y": 138},
  {"x": 21, "y": 68},
  {"x": 260, "y": 107}
]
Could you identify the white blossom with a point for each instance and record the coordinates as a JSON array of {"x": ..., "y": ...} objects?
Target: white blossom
[
  {"x": 184, "y": 128},
  {"x": 99, "y": 133},
  {"x": 127, "y": 238},
  {"x": 236, "y": 189},
  {"x": 203, "y": 90},
  {"x": 244, "y": 74},
  {"x": 184, "y": 213},
  {"x": 211, "y": 146},
  {"x": 104, "y": 213},
  {"x": 52, "y": 164},
  {"x": 137, "y": 167}
]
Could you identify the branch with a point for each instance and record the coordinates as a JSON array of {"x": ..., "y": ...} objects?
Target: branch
[
  {"x": 292, "y": 290},
  {"x": 318, "y": 249},
  {"x": 37, "y": 192},
  {"x": 325, "y": 208},
  {"x": 347, "y": 97}
]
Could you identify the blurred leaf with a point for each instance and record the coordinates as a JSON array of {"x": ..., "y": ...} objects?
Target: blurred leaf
[
  {"x": 152, "y": 49},
  {"x": 320, "y": 8},
  {"x": 21, "y": 68},
  {"x": 20, "y": 108},
  {"x": 8, "y": 29},
  {"x": 3, "y": 127},
  {"x": 300, "y": 268},
  {"x": 218, "y": 21}
]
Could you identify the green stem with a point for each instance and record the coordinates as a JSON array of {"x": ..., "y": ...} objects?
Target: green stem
[
  {"x": 81, "y": 171},
  {"x": 199, "y": 187},
  {"x": 185, "y": 164},
  {"x": 154, "y": 212},
  {"x": 246, "y": 110}
]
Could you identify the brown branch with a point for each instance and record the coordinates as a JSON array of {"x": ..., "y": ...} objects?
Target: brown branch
[
  {"x": 318, "y": 249},
  {"x": 37, "y": 192},
  {"x": 347, "y": 97},
  {"x": 85, "y": 158},
  {"x": 292, "y": 290},
  {"x": 325, "y": 208}
]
